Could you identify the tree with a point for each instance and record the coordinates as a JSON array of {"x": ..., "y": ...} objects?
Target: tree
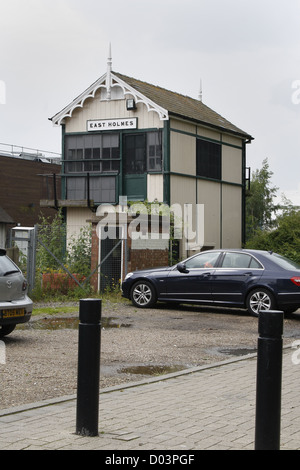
[
  {"x": 260, "y": 209},
  {"x": 284, "y": 238}
]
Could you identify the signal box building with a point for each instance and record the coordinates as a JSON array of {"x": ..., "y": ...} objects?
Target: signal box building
[{"x": 123, "y": 137}]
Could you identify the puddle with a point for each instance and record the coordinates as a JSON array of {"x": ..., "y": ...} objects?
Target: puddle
[
  {"x": 69, "y": 323},
  {"x": 237, "y": 351},
  {"x": 215, "y": 351},
  {"x": 150, "y": 370}
]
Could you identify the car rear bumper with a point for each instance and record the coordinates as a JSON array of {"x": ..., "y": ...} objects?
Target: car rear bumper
[
  {"x": 17, "y": 311},
  {"x": 287, "y": 302}
]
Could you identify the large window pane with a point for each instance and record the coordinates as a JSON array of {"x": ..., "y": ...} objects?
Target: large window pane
[
  {"x": 102, "y": 188},
  {"x": 92, "y": 153},
  {"x": 208, "y": 161},
  {"x": 134, "y": 154},
  {"x": 154, "y": 151}
]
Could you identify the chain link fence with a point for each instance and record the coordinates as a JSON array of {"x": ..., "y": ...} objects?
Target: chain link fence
[
  {"x": 63, "y": 258},
  {"x": 56, "y": 258}
]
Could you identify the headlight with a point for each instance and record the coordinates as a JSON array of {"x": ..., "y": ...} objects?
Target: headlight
[{"x": 128, "y": 276}]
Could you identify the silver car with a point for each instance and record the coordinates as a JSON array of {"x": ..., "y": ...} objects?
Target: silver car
[{"x": 15, "y": 305}]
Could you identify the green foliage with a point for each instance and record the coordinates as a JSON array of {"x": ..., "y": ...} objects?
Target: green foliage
[
  {"x": 284, "y": 238},
  {"x": 269, "y": 226},
  {"x": 55, "y": 253},
  {"x": 260, "y": 209},
  {"x": 79, "y": 252},
  {"x": 53, "y": 236},
  {"x": 76, "y": 255},
  {"x": 42, "y": 294}
]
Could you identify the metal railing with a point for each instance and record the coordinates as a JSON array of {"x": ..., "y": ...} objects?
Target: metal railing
[{"x": 27, "y": 153}]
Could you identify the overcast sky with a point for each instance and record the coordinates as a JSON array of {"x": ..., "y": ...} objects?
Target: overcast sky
[{"x": 247, "y": 55}]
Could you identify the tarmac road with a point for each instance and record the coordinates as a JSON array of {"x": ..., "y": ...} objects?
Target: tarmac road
[{"x": 41, "y": 358}]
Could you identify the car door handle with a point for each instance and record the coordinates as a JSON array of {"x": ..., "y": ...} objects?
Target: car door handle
[
  {"x": 205, "y": 274},
  {"x": 248, "y": 274}
]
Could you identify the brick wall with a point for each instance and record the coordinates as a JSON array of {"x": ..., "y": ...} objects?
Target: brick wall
[
  {"x": 143, "y": 259},
  {"x": 20, "y": 189}
]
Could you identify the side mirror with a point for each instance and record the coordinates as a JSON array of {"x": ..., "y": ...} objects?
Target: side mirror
[{"x": 182, "y": 268}]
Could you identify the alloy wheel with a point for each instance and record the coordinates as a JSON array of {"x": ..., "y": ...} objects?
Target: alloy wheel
[
  {"x": 142, "y": 294},
  {"x": 260, "y": 300}
]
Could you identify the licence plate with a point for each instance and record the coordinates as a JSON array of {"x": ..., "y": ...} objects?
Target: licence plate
[{"x": 12, "y": 313}]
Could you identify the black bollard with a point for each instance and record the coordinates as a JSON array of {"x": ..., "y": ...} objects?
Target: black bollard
[
  {"x": 87, "y": 413},
  {"x": 269, "y": 380}
]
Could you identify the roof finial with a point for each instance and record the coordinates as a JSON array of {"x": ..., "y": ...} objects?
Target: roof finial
[
  {"x": 200, "y": 90},
  {"x": 108, "y": 75}
]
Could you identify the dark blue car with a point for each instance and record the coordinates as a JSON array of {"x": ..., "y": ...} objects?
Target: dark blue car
[{"x": 250, "y": 279}]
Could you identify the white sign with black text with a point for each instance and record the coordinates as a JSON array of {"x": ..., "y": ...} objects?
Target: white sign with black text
[{"x": 112, "y": 124}]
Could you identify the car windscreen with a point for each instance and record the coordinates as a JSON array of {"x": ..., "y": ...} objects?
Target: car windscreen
[
  {"x": 7, "y": 266},
  {"x": 284, "y": 262}
]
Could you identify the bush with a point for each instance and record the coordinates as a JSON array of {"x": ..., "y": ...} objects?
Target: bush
[
  {"x": 284, "y": 239},
  {"x": 54, "y": 254}
]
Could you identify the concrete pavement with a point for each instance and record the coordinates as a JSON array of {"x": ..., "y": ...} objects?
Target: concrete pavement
[{"x": 211, "y": 407}]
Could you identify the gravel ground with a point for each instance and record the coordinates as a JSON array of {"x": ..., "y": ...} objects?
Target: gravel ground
[{"x": 41, "y": 357}]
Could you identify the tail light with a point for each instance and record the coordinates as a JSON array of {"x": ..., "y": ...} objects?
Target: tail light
[
  {"x": 296, "y": 280},
  {"x": 24, "y": 286}
]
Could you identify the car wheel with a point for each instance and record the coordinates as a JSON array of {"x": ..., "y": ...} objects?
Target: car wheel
[
  {"x": 260, "y": 299},
  {"x": 6, "y": 330},
  {"x": 143, "y": 294}
]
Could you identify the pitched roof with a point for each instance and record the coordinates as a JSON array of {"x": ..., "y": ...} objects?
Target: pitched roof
[
  {"x": 165, "y": 102},
  {"x": 5, "y": 218},
  {"x": 183, "y": 106}
]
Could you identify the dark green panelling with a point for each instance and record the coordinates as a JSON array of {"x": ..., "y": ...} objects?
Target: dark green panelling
[
  {"x": 244, "y": 196},
  {"x": 119, "y": 186},
  {"x": 63, "y": 182},
  {"x": 135, "y": 187},
  {"x": 166, "y": 162},
  {"x": 221, "y": 216}
]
